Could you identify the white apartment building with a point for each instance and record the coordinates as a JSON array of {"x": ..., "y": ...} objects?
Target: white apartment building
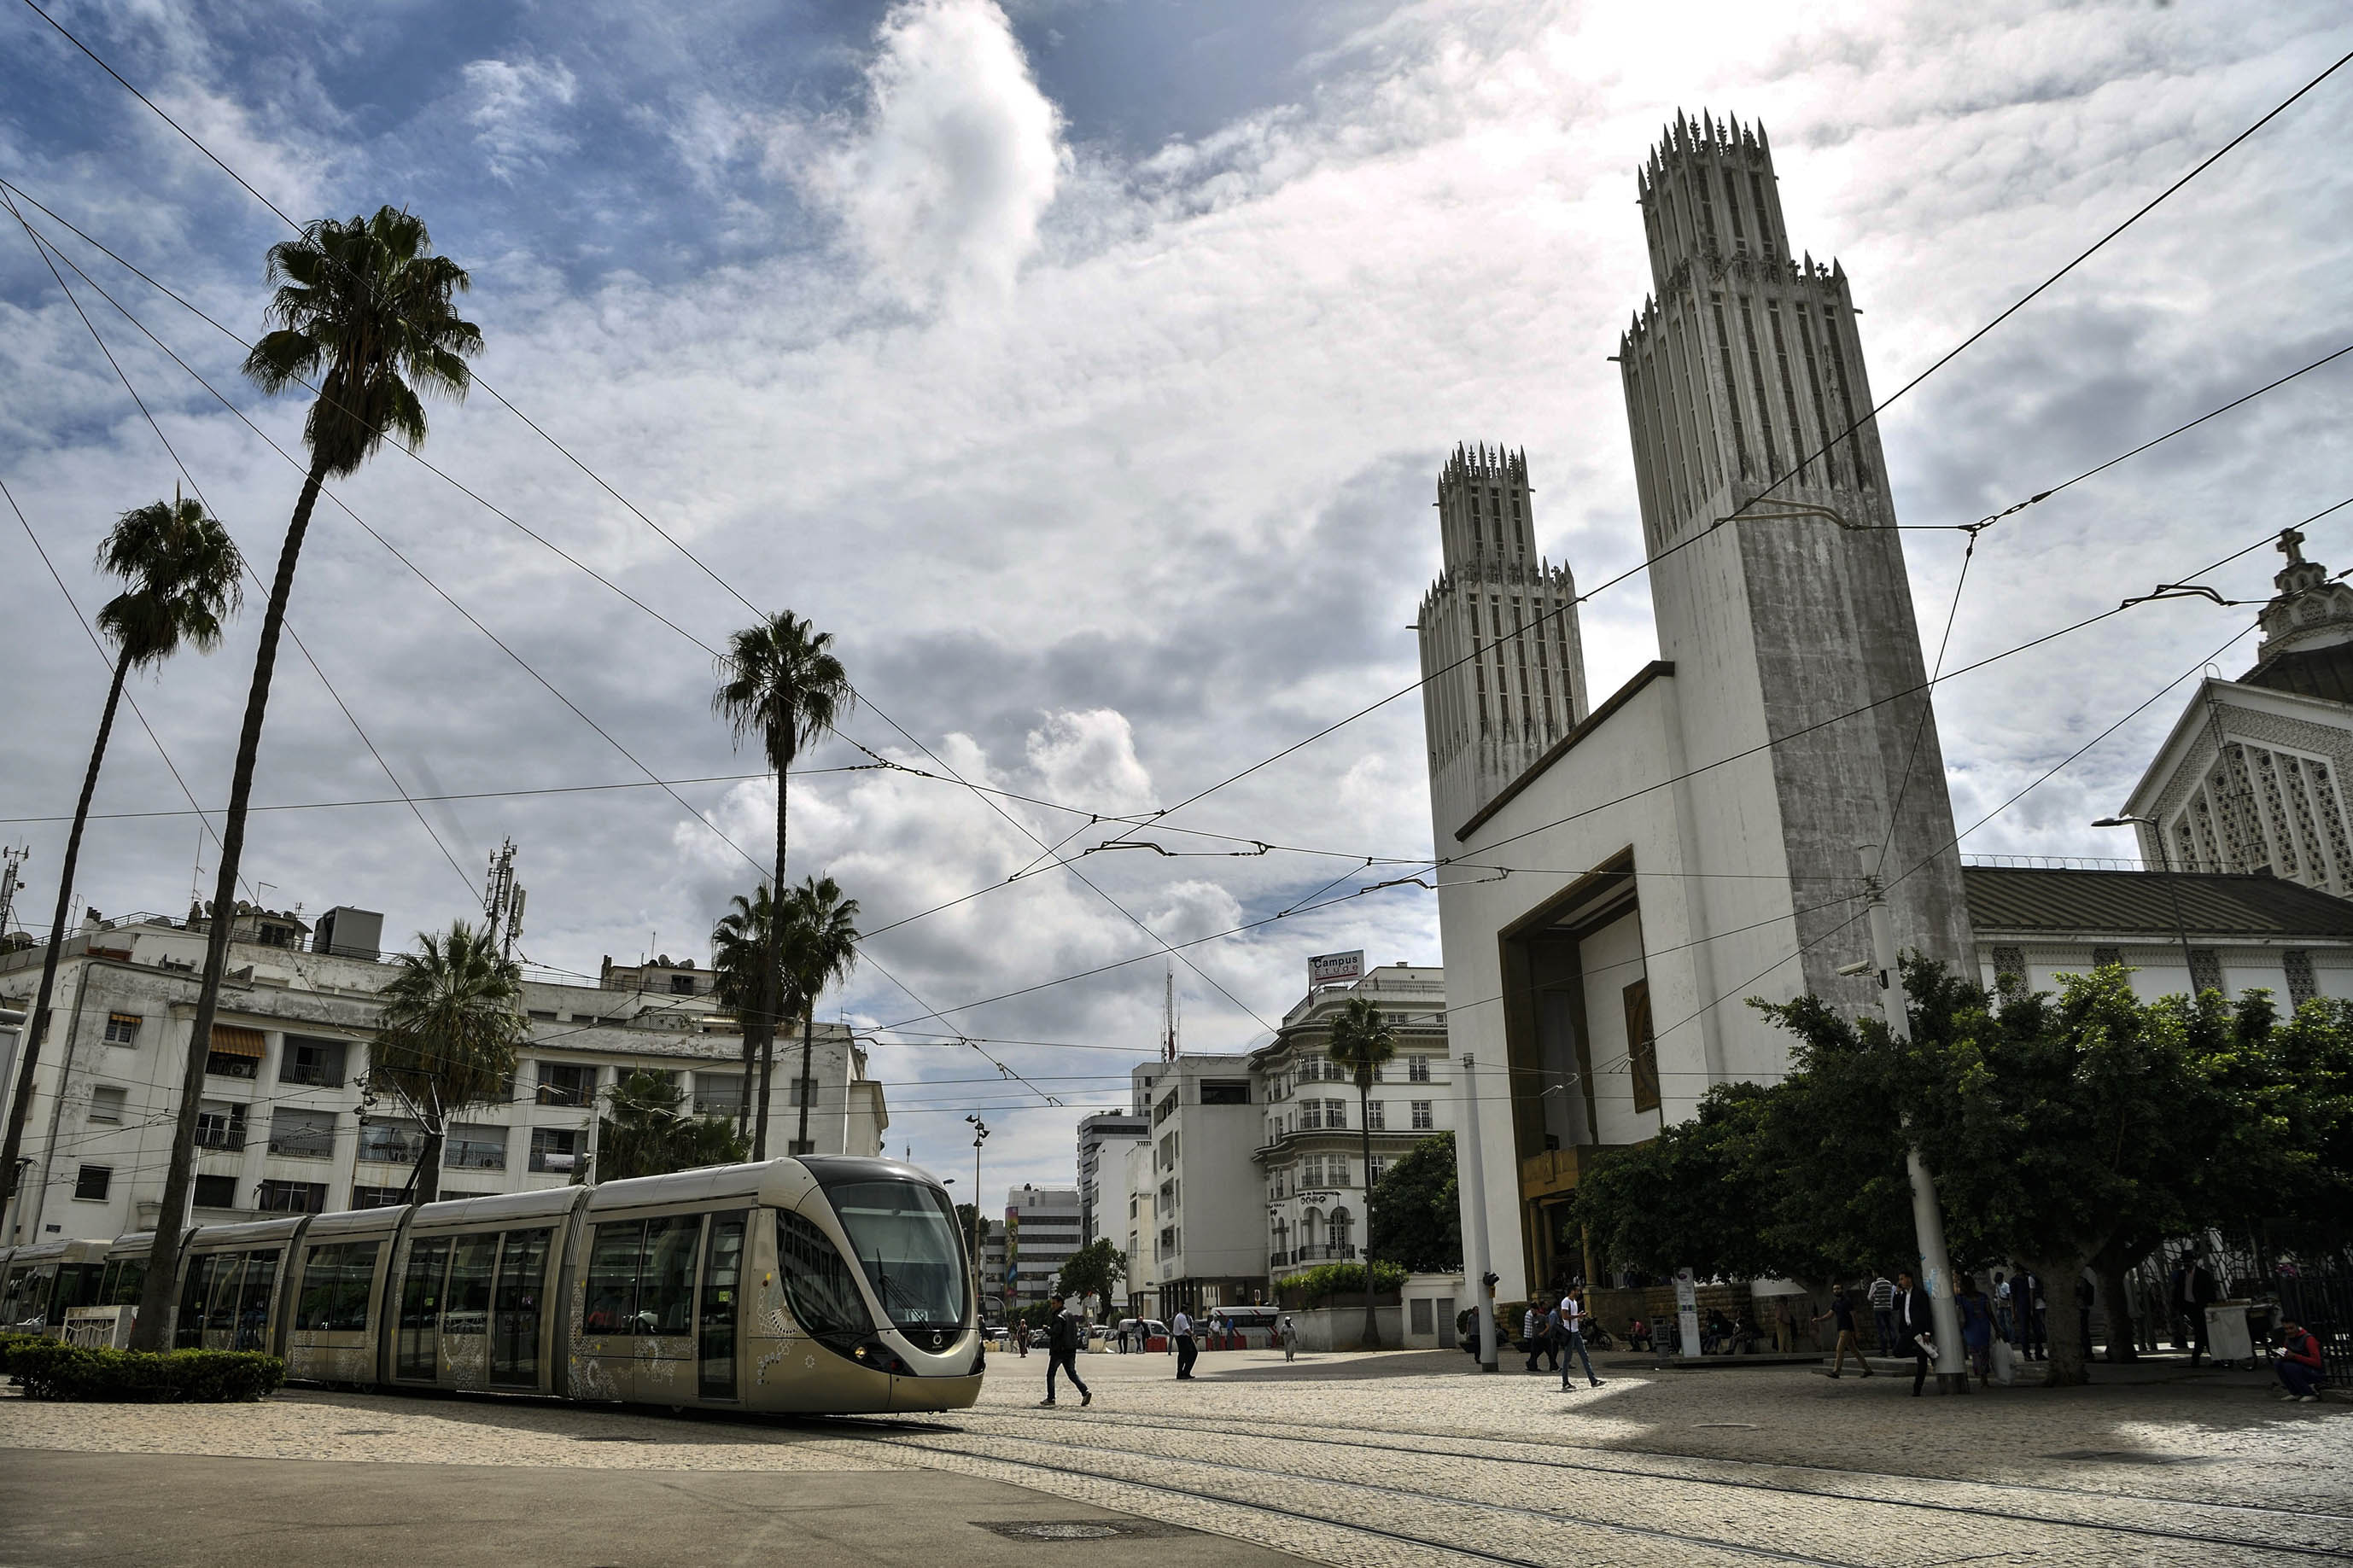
[
  {"x": 1199, "y": 1200},
  {"x": 286, "y": 1124},
  {"x": 1310, "y": 1151},
  {"x": 1042, "y": 1231}
]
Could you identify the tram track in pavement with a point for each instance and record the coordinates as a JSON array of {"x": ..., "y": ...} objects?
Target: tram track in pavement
[{"x": 2153, "y": 1532}]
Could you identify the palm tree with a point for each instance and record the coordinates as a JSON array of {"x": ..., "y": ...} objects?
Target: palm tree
[
  {"x": 452, "y": 1020},
  {"x": 778, "y": 680},
  {"x": 185, "y": 577},
  {"x": 819, "y": 938},
  {"x": 1362, "y": 1042},
  {"x": 740, "y": 949},
  {"x": 648, "y": 1134},
  {"x": 362, "y": 316},
  {"x": 363, "y": 312}
]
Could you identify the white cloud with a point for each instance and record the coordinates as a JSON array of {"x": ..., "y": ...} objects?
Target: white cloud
[{"x": 514, "y": 106}]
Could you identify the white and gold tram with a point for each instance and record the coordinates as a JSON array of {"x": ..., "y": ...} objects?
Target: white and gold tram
[{"x": 821, "y": 1284}]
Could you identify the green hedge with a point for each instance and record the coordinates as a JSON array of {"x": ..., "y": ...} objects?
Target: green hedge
[
  {"x": 49, "y": 1369},
  {"x": 9, "y": 1343},
  {"x": 1315, "y": 1286}
]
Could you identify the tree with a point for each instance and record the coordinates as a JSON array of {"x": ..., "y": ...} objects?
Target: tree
[
  {"x": 1692, "y": 1196},
  {"x": 648, "y": 1135},
  {"x": 778, "y": 680},
  {"x": 1362, "y": 1042},
  {"x": 363, "y": 315},
  {"x": 1094, "y": 1269},
  {"x": 446, "y": 1041},
  {"x": 740, "y": 949},
  {"x": 185, "y": 578},
  {"x": 1416, "y": 1211},
  {"x": 818, "y": 936}
]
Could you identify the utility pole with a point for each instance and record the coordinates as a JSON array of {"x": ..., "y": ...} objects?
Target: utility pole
[
  {"x": 1470, "y": 1162},
  {"x": 1936, "y": 1275},
  {"x": 980, "y": 1215}
]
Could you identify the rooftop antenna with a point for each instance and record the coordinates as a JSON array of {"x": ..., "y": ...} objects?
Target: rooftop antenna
[
  {"x": 9, "y": 860},
  {"x": 1168, "y": 1015},
  {"x": 502, "y": 901}
]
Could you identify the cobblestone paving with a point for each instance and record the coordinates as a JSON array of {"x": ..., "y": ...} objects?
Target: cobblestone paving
[{"x": 1415, "y": 1460}]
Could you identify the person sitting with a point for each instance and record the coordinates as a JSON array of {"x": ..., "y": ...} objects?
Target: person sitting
[
  {"x": 1746, "y": 1336},
  {"x": 1638, "y": 1336},
  {"x": 2299, "y": 1362},
  {"x": 1716, "y": 1334}
]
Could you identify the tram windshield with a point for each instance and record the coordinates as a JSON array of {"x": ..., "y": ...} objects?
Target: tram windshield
[{"x": 905, "y": 1236}]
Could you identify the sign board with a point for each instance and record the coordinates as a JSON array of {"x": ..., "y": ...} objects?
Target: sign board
[{"x": 1336, "y": 969}]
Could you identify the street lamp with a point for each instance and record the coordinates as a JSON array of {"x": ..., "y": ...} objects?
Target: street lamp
[
  {"x": 2165, "y": 860},
  {"x": 979, "y": 1136}
]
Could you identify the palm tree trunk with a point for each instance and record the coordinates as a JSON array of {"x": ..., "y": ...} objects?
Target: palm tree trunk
[
  {"x": 428, "y": 1168},
  {"x": 777, "y": 947},
  {"x": 36, "y": 1021},
  {"x": 155, "y": 1299},
  {"x": 808, "y": 1028},
  {"x": 768, "y": 1083},
  {"x": 744, "y": 1105},
  {"x": 1365, "y": 1126}
]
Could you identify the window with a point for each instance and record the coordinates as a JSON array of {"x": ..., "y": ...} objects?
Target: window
[
  {"x": 335, "y": 1287},
  {"x": 92, "y": 1180},
  {"x": 802, "y": 1092},
  {"x": 316, "y": 1062},
  {"x": 1377, "y": 1117},
  {"x": 666, "y": 1275},
  {"x": 475, "y": 1147},
  {"x": 681, "y": 985},
  {"x": 824, "y": 1296},
  {"x": 1417, "y": 1069},
  {"x": 1311, "y": 1171},
  {"x": 293, "y": 1197},
  {"x": 1423, "y": 1120},
  {"x": 612, "y": 1289},
  {"x": 718, "y": 1094},
  {"x": 1642, "y": 1046},
  {"x": 219, "y": 1125},
  {"x": 2108, "y": 957},
  {"x": 389, "y": 1141},
  {"x": 106, "y": 1106},
  {"x": 566, "y": 1083},
  {"x": 2009, "y": 960},
  {"x": 122, "y": 1028},
  {"x": 1375, "y": 1171},
  {"x": 553, "y": 1148},
  {"x": 467, "y": 1310},
  {"x": 799, "y": 1146},
  {"x": 2205, "y": 969},
  {"x": 1225, "y": 1091},
  {"x": 1337, "y": 1231},
  {"x": 302, "y": 1134},
  {"x": 1336, "y": 1115},
  {"x": 381, "y": 1197},
  {"x": 233, "y": 1052},
  {"x": 216, "y": 1193},
  {"x": 1339, "y": 1171}
]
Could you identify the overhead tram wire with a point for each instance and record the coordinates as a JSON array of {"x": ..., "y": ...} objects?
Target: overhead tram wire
[{"x": 197, "y": 489}]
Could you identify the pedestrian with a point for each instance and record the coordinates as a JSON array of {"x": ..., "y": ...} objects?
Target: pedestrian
[
  {"x": 2193, "y": 1291},
  {"x": 1883, "y": 1315},
  {"x": 2005, "y": 1322},
  {"x": 1289, "y": 1337},
  {"x": 1572, "y": 1326},
  {"x": 1532, "y": 1328},
  {"x": 1977, "y": 1328},
  {"x": 1912, "y": 1316},
  {"x": 2026, "y": 1300},
  {"x": 1785, "y": 1328},
  {"x": 1182, "y": 1332},
  {"x": 1063, "y": 1352},
  {"x": 1021, "y": 1336},
  {"x": 1842, "y": 1315},
  {"x": 2299, "y": 1362},
  {"x": 1638, "y": 1336}
]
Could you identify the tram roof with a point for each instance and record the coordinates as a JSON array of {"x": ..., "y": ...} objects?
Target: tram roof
[
  {"x": 495, "y": 1208},
  {"x": 211, "y": 1237}
]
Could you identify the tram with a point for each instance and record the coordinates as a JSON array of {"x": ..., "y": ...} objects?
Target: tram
[{"x": 821, "y": 1284}]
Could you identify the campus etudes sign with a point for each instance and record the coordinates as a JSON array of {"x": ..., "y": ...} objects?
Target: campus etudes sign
[{"x": 1335, "y": 968}]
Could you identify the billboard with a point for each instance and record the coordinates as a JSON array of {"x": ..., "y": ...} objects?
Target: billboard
[{"x": 1336, "y": 969}]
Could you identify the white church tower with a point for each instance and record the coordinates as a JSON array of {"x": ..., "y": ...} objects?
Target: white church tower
[{"x": 1501, "y": 663}]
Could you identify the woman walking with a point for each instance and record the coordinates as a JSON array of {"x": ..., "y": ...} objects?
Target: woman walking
[{"x": 1977, "y": 1328}]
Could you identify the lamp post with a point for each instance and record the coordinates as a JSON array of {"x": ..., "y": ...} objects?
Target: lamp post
[
  {"x": 2165, "y": 860},
  {"x": 979, "y": 1136}
]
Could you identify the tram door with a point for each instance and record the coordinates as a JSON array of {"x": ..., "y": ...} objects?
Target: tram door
[
  {"x": 515, "y": 1315},
  {"x": 723, "y": 1269},
  {"x": 420, "y": 1343}
]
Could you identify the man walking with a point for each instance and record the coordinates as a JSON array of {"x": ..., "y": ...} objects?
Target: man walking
[
  {"x": 2193, "y": 1293},
  {"x": 1911, "y": 1328},
  {"x": 1181, "y": 1330},
  {"x": 1883, "y": 1314},
  {"x": 2026, "y": 1300},
  {"x": 1842, "y": 1315},
  {"x": 1063, "y": 1352},
  {"x": 1572, "y": 1333}
]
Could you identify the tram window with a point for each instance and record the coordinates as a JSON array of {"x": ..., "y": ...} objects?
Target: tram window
[
  {"x": 220, "y": 1309},
  {"x": 121, "y": 1286},
  {"x": 825, "y": 1297},
  {"x": 613, "y": 1277},
  {"x": 666, "y": 1281},
  {"x": 470, "y": 1285},
  {"x": 253, "y": 1299},
  {"x": 335, "y": 1286},
  {"x": 190, "y": 1330},
  {"x": 514, "y": 1331}
]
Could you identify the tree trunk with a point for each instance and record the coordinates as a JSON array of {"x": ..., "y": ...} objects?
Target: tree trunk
[
  {"x": 2062, "y": 1322},
  {"x": 155, "y": 1299},
  {"x": 744, "y": 1104},
  {"x": 36, "y": 1021},
  {"x": 808, "y": 1029},
  {"x": 767, "y": 1080},
  {"x": 776, "y": 977},
  {"x": 1365, "y": 1127},
  {"x": 2111, "y": 1268}
]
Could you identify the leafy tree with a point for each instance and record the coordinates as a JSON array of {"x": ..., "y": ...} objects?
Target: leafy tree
[
  {"x": 740, "y": 953},
  {"x": 447, "y": 1037},
  {"x": 647, "y": 1134},
  {"x": 818, "y": 936},
  {"x": 1694, "y": 1195},
  {"x": 1417, "y": 1217},
  {"x": 1094, "y": 1269},
  {"x": 363, "y": 315},
  {"x": 184, "y": 576},
  {"x": 779, "y": 681},
  {"x": 1361, "y": 1042}
]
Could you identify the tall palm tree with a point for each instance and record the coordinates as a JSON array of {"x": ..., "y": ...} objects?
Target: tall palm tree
[
  {"x": 447, "y": 1038},
  {"x": 364, "y": 314},
  {"x": 819, "y": 938},
  {"x": 184, "y": 576},
  {"x": 648, "y": 1132},
  {"x": 741, "y": 946},
  {"x": 1361, "y": 1042},
  {"x": 779, "y": 681}
]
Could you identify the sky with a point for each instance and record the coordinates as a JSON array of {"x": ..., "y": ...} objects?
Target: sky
[{"x": 1085, "y": 367}]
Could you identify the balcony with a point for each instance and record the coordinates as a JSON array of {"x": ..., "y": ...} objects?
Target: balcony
[{"x": 1343, "y": 1254}]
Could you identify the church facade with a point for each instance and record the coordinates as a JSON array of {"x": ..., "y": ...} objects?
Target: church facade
[{"x": 1697, "y": 838}]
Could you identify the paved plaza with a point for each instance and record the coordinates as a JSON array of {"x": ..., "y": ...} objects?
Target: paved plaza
[{"x": 1409, "y": 1459}]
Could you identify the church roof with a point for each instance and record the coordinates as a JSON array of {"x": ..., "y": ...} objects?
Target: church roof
[
  {"x": 2008, "y": 899},
  {"x": 2324, "y": 672}
]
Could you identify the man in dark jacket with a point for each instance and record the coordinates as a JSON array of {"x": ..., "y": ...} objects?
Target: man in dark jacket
[
  {"x": 1911, "y": 1328},
  {"x": 2193, "y": 1293},
  {"x": 1062, "y": 1352}
]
